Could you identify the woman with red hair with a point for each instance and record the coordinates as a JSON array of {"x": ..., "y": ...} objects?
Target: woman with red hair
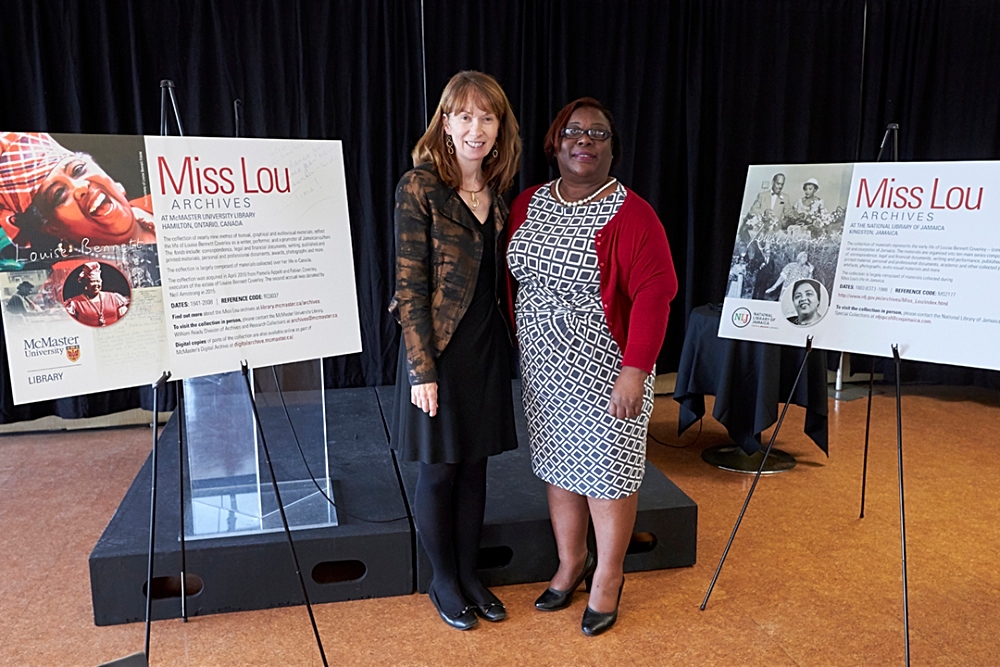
[{"x": 453, "y": 403}]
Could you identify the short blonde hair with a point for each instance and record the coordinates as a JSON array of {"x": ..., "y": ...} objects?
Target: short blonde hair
[{"x": 484, "y": 91}]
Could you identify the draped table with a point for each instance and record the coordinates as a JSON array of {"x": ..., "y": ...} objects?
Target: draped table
[{"x": 748, "y": 380}]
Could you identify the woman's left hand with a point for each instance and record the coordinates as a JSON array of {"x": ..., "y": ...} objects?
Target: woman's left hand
[{"x": 626, "y": 395}]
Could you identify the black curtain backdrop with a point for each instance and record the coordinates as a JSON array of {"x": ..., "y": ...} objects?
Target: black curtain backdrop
[
  {"x": 932, "y": 67},
  {"x": 319, "y": 69},
  {"x": 700, "y": 90},
  {"x": 631, "y": 56}
]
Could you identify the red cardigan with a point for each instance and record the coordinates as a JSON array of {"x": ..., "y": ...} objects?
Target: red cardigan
[{"x": 638, "y": 281}]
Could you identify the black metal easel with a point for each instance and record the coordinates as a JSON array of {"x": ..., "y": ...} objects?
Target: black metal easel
[
  {"x": 167, "y": 89},
  {"x": 902, "y": 506},
  {"x": 180, "y": 495},
  {"x": 159, "y": 384},
  {"x": 890, "y": 129},
  {"x": 893, "y": 129},
  {"x": 281, "y": 510},
  {"x": 760, "y": 470},
  {"x": 142, "y": 659}
]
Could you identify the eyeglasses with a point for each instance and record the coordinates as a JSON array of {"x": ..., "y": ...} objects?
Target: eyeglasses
[{"x": 577, "y": 132}]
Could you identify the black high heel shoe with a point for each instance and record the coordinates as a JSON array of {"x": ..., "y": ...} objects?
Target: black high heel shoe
[
  {"x": 491, "y": 610},
  {"x": 553, "y": 600},
  {"x": 595, "y": 622},
  {"x": 463, "y": 620}
]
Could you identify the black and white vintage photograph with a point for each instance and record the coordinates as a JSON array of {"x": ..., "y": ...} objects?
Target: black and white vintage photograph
[{"x": 790, "y": 230}]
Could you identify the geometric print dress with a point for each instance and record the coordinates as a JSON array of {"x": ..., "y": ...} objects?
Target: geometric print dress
[{"x": 569, "y": 360}]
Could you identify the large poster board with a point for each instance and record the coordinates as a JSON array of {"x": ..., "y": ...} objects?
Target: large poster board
[
  {"x": 864, "y": 256},
  {"x": 124, "y": 256}
]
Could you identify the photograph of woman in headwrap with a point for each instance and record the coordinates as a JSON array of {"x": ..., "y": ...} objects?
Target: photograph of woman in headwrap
[
  {"x": 51, "y": 197},
  {"x": 87, "y": 300}
]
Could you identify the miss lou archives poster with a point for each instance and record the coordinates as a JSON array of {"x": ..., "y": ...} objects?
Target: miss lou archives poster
[
  {"x": 864, "y": 256},
  {"x": 123, "y": 256}
]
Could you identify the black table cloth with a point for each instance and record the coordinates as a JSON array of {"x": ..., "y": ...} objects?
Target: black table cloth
[{"x": 748, "y": 381}]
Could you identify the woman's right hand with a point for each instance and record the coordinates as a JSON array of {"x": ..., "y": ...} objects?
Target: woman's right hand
[{"x": 425, "y": 397}]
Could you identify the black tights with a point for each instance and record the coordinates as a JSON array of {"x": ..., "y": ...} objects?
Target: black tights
[{"x": 450, "y": 501}]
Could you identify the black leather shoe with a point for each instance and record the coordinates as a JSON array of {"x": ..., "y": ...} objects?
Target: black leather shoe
[
  {"x": 463, "y": 620},
  {"x": 553, "y": 600},
  {"x": 595, "y": 622},
  {"x": 492, "y": 610}
]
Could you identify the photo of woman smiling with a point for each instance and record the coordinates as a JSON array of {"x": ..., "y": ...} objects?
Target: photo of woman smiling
[
  {"x": 52, "y": 196},
  {"x": 809, "y": 300}
]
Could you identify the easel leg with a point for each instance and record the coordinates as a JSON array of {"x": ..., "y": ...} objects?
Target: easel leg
[
  {"x": 868, "y": 424},
  {"x": 180, "y": 489},
  {"x": 902, "y": 506},
  {"x": 152, "y": 507},
  {"x": 760, "y": 471},
  {"x": 281, "y": 510}
]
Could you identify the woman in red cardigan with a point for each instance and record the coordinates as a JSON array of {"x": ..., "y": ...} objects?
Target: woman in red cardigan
[{"x": 594, "y": 280}]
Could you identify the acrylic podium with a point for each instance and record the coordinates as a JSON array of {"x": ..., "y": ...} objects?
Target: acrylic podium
[{"x": 229, "y": 488}]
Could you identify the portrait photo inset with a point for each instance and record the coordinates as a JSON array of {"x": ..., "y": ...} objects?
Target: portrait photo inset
[
  {"x": 96, "y": 294},
  {"x": 806, "y": 302}
]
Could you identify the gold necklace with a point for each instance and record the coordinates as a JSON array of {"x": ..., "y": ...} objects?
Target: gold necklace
[{"x": 472, "y": 196}]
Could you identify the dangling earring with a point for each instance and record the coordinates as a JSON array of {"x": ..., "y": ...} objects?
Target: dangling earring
[
  {"x": 451, "y": 146},
  {"x": 496, "y": 153}
]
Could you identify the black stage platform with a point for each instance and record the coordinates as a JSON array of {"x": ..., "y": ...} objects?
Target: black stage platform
[
  {"x": 371, "y": 552},
  {"x": 517, "y": 543},
  {"x": 256, "y": 571}
]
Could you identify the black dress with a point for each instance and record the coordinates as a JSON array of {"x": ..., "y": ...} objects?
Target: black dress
[{"x": 475, "y": 415}]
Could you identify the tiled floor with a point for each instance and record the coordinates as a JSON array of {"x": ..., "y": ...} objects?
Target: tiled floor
[{"x": 807, "y": 583}]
